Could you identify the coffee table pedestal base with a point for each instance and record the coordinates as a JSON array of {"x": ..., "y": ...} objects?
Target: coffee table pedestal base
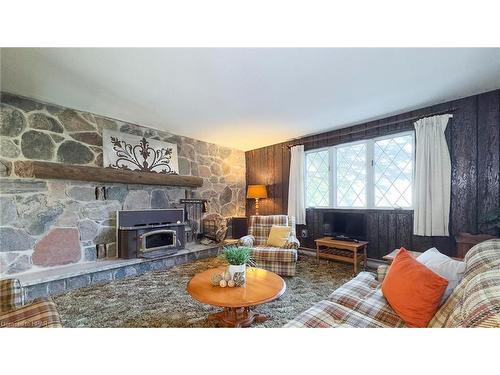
[{"x": 237, "y": 317}]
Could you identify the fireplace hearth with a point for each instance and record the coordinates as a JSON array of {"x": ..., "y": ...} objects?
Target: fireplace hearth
[{"x": 150, "y": 233}]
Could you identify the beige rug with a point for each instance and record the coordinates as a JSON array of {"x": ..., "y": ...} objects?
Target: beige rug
[{"x": 159, "y": 298}]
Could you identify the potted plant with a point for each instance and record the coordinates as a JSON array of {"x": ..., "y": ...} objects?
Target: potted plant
[
  {"x": 238, "y": 258},
  {"x": 491, "y": 220}
]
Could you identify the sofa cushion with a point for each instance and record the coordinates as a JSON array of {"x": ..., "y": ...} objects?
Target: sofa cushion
[
  {"x": 355, "y": 290},
  {"x": 413, "y": 290},
  {"x": 363, "y": 295},
  {"x": 273, "y": 254},
  {"x": 481, "y": 258},
  {"x": 451, "y": 269},
  {"x": 474, "y": 303},
  {"x": 481, "y": 303},
  {"x": 358, "y": 303}
]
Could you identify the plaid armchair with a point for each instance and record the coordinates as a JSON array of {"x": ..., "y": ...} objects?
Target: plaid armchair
[
  {"x": 14, "y": 312},
  {"x": 282, "y": 261}
]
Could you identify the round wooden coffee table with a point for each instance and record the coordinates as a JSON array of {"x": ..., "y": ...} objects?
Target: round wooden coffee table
[{"x": 261, "y": 286}]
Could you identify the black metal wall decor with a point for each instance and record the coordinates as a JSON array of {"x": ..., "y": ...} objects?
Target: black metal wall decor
[{"x": 125, "y": 151}]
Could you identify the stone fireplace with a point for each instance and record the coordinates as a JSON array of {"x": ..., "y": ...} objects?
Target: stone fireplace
[{"x": 49, "y": 224}]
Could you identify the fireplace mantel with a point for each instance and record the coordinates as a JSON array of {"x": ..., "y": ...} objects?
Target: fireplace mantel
[{"x": 47, "y": 170}]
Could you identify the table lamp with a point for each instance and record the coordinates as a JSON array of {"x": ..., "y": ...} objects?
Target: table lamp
[{"x": 257, "y": 192}]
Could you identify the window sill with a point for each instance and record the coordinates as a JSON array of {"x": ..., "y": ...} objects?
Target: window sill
[{"x": 360, "y": 209}]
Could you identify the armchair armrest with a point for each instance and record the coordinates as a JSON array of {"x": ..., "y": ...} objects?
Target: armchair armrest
[
  {"x": 40, "y": 313},
  {"x": 382, "y": 272},
  {"x": 247, "y": 240},
  {"x": 292, "y": 243},
  {"x": 11, "y": 295}
]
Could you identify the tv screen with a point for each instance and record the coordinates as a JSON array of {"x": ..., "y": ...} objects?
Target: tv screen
[{"x": 347, "y": 224}]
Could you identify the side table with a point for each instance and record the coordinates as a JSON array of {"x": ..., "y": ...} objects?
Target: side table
[
  {"x": 390, "y": 257},
  {"x": 465, "y": 241},
  {"x": 415, "y": 254},
  {"x": 345, "y": 251}
]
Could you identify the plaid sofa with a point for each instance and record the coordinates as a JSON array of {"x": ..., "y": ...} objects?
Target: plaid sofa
[
  {"x": 14, "y": 312},
  {"x": 475, "y": 302},
  {"x": 282, "y": 261}
]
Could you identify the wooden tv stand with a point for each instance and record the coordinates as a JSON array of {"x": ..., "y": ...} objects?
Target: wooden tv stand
[{"x": 345, "y": 251}]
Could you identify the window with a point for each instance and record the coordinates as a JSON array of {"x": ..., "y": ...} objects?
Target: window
[
  {"x": 375, "y": 173},
  {"x": 393, "y": 179},
  {"x": 350, "y": 175},
  {"x": 317, "y": 179}
]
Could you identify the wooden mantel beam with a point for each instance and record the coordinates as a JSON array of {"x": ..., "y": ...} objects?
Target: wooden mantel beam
[{"x": 47, "y": 170}]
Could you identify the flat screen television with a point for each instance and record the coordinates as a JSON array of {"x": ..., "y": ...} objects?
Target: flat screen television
[{"x": 352, "y": 225}]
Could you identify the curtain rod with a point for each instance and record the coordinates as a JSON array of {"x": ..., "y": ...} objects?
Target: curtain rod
[{"x": 373, "y": 127}]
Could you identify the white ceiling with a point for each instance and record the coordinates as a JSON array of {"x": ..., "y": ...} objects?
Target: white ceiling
[{"x": 248, "y": 98}]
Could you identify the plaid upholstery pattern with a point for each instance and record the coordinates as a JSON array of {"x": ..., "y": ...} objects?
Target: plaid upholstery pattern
[
  {"x": 247, "y": 241},
  {"x": 475, "y": 301},
  {"x": 15, "y": 313},
  {"x": 40, "y": 313},
  {"x": 482, "y": 257},
  {"x": 481, "y": 302},
  {"x": 260, "y": 226},
  {"x": 281, "y": 268},
  {"x": 359, "y": 303},
  {"x": 282, "y": 261},
  {"x": 273, "y": 254},
  {"x": 292, "y": 243},
  {"x": 382, "y": 272},
  {"x": 11, "y": 294}
]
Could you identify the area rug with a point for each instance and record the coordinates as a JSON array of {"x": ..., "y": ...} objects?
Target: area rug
[{"x": 159, "y": 298}]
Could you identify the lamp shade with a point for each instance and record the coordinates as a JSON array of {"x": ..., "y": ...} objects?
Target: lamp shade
[{"x": 256, "y": 191}]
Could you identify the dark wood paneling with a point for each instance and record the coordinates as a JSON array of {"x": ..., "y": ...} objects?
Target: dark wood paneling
[
  {"x": 383, "y": 234},
  {"x": 464, "y": 167},
  {"x": 473, "y": 137},
  {"x": 488, "y": 157},
  {"x": 372, "y": 234},
  {"x": 405, "y": 229},
  {"x": 392, "y": 231}
]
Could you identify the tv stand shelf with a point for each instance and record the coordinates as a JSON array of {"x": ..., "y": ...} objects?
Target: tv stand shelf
[{"x": 345, "y": 251}]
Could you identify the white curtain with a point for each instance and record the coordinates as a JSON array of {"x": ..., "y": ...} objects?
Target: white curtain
[
  {"x": 432, "y": 177},
  {"x": 296, "y": 200}
]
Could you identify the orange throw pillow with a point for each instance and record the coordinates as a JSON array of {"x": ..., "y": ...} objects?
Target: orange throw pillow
[{"x": 413, "y": 290}]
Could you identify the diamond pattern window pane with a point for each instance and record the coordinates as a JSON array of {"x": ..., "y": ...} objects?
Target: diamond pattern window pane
[
  {"x": 317, "y": 184},
  {"x": 351, "y": 176},
  {"x": 393, "y": 173}
]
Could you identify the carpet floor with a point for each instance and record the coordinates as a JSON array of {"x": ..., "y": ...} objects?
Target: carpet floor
[{"x": 159, "y": 298}]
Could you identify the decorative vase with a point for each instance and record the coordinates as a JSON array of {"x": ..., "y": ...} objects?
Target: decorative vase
[{"x": 232, "y": 269}]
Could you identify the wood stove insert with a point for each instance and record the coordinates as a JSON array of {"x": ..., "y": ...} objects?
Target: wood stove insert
[{"x": 150, "y": 233}]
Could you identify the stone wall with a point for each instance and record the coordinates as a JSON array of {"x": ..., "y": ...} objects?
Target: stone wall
[{"x": 48, "y": 223}]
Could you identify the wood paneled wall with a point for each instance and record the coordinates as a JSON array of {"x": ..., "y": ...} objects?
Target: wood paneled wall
[{"x": 473, "y": 137}]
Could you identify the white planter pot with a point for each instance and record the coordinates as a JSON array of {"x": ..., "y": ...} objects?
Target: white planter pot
[{"x": 233, "y": 269}]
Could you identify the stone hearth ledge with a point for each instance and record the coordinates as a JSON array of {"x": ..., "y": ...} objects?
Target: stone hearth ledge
[{"x": 58, "y": 280}]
